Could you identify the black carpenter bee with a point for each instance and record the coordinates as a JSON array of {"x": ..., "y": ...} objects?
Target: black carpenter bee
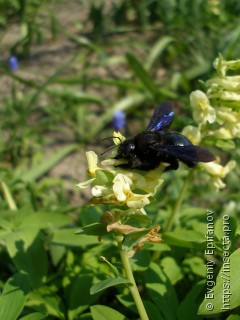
[{"x": 147, "y": 150}]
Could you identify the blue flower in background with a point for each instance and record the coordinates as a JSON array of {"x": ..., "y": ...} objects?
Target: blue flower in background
[
  {"x": 13, "y": 63},
  {"x": 119, "y": 120}
]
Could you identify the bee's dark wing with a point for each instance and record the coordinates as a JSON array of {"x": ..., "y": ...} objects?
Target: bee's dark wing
[
  {"x": 190, "y": 153},
  {"x": 162, "y": 117}
]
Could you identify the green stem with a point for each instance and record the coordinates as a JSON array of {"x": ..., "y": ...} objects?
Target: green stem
[
  {"x": 8, "y": 196},
  {"x": 156, "y": 254},
  {"x": 179, "y": 201},
  {"x": 129, "y": 275}
]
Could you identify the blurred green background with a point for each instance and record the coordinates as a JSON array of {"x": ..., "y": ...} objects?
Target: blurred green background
[{"x": 77, "y": 62}]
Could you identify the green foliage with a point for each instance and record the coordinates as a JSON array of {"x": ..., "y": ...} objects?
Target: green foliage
[
  {"x": 58, "y": 259},
  {"x": 14, "y": 296}
]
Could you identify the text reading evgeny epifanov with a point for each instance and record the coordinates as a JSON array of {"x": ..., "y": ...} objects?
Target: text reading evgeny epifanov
[{"x": 210, "y": 263}]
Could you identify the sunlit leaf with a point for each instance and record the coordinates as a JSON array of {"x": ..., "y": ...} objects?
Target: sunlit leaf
[
  {"x": 189, "y": 306},
  {"x": 157, "y": 50},
  {"x": 26, "y": 247},
  {"x": 68, "y": 237},
  {"x": 185, "y": 238},
  {"x": 34, "y": 316},
  {"x": 13, "y": 296},
  {"x": 45, "y": 300},
  {"x": 106, "y": 313},
  {"x": 142, "y": 74},
  {"x": 78, "y": 294},
  {"x": 161, "y": 291}
]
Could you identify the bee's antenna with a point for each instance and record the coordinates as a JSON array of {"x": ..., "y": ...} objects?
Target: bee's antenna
[
  {"x": 112, "y": 138},
  {"x": 109, "y": 148}
]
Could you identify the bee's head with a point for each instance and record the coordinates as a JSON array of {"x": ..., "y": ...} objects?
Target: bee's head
[{"x": 125, "y": 149}]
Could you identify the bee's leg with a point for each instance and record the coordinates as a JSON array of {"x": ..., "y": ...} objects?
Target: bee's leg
[
  {"x": 191, "y": 164},
  {"x": 173, "y": 165},
  {"x": 135, "y": 162}
]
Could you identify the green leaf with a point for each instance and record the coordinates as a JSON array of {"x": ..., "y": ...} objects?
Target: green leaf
[
  {"x": 5, "y": 225},
  {"x": 190, "y": 213},
  {"x": 157, "y": 50},
  {"x": 172, "y": 269},
  {"x": 233, "y": 317},
  {"x": 76, "y": 96},
  {"x": 195, "y": 265},
  {"x": 68, "y": 237},
  {"x": 42, "y": 168},
  {"x": 78, "y": 293},
  {"x": 109, "y": 82},
  {"x": 142, "y": 74},
  {"x": 161, "y": 291},
  {"x": 227, "y": 287},
  {"x": 225, "y": 230},
  {"x": 46, "y": 300},
  {"x": 225, "y": 144},
  {"x": 94, "y": 229},
  {"x": 14, "y": 295},
  {"x": 111, "y": 266},
  {"x": 185, "y": 238},
  {"x": 152, "y": 310},
  {"x": 44, "y": 220},
  {"x": 141, "y": 260},
  {"x": 160, "y": 246},
  {"x": 26, "y": 247},
  {"x": 133, "y": 238},
  {"x": 127, "y": 301},
  {"x": 85, "y": 316},
  {"x": 138, "y": 220},
  {"x": 34, "y": 316},
  {"x": 105, "y": 313},
  {"x": 108, "y": 283},
  {"x": 198, "y": 70},
  {"x": 57, "y": 252},
  {"x": 90, "y": 214},
  {"x": 189, "y": 306},
  {"x": 103, "y": 177},
  {"x": 83, "y": 41}
]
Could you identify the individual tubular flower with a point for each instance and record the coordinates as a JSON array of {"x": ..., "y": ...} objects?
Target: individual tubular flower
[
  {"x": 124, "y": 195},
  {"x": 92, "y": 160},
  {"x": 203, "y": 112},
  {"x": 218, "y": 172},
  {"x": 222, "y": 133},
  {"x": 227, "y": 115},
  {"x": 193, "y": 134}
]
